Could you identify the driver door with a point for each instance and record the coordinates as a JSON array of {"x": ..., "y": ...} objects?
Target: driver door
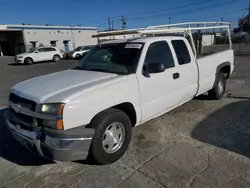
[
  {"x": 38, "y": 55},
  {"x": 159, "y": 91}
]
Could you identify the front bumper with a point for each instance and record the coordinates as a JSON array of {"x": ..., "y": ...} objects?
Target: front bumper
[
  {"x": 17, "y": 60},
  {"x": 66, "y": 145}
]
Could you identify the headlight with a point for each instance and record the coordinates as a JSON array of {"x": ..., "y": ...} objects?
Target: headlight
[
  {"x": 54, "y": 109},
  {"x": 51, "y": 108}
]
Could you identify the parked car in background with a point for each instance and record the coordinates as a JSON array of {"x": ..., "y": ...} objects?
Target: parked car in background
[
  {"x": 39, "y": 54},
  {"x": 79, "y": 52}
]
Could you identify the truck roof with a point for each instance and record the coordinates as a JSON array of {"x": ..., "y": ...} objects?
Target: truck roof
[{"x": 143, "y": 39}]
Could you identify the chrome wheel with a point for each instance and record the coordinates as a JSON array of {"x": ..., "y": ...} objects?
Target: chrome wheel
[
  {"x": 220, "y": 87},
  {"x": 113, "y": 137}
]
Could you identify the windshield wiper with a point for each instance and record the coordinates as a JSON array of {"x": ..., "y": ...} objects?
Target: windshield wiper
[
  {"x": 78, "y": 68},
  {"x": 105, "y": 70},
  {"x": 99, "y": 70}
]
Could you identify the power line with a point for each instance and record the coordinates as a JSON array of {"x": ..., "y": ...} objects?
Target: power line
[
  {"x": 100, "y": 23},
  {"x": 173, "y": 8},
  {"x": 218, "y": 15},
  {"x": 185, "y": 11},
  {"x": 155, "y": 11}
]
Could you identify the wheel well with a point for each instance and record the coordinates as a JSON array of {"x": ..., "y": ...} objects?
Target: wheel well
[
  {"x": 129, "y": 109},
  {"x": 226, "y": 70}
]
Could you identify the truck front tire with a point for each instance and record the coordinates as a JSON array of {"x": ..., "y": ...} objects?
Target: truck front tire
[
  {"x": 219, "y": 88},
  {"x": 112, "y": 136}
]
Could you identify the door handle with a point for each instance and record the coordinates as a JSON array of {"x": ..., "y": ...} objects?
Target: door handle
[{"x": 176, "y": 75}]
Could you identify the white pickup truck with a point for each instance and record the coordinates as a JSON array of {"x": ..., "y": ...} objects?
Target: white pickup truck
[{"x": 91, "y": 109}]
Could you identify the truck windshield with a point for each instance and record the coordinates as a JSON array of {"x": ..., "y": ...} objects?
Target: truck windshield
[{"x": 119, "y": 58}]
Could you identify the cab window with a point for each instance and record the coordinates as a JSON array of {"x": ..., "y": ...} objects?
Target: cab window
[{"x": 159, "y": 52}]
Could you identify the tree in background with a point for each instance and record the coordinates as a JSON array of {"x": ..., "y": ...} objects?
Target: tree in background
[{"x": 243, "y": 24}]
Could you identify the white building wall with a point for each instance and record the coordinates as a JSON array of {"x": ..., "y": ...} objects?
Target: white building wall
[
  {"x": 207, "y": 40},
  {"x": 75, "y": 37},
  {"x": 3, "y": 27}
]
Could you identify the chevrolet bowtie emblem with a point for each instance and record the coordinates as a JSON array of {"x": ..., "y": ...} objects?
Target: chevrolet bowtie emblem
[{"x": 18, "y": 108}]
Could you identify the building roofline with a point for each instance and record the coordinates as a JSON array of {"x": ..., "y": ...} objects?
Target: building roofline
[{"x": 44, "y": 27}]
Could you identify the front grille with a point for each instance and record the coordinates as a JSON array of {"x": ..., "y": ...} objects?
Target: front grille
[
  {"x": 22, "y": 101},
  {"x": 22, "y": 119}
]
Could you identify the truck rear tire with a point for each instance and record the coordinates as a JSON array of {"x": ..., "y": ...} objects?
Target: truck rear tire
[
  {"x": 112, "y": 136},
  {"x": 219, "y": 88}
]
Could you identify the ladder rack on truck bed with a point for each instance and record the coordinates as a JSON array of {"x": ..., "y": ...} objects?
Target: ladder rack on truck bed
[{"x": 186, "y": 28}]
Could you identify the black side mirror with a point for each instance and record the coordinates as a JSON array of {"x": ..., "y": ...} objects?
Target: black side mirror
[{"x": 154, "y": 67}]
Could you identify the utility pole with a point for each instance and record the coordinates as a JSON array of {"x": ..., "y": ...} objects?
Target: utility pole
[
  {"x": 112, "y": 27},
  {"x": 222, "y": 19},
  {"x": 124, "y": 22},
  {"x": 109, "y": 21},
  {"x": 170, "y": 20}
]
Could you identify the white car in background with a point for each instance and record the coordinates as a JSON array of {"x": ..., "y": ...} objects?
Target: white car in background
[
  {"x": 79, "y": 51},
  {"x": 39, "y": 54}
]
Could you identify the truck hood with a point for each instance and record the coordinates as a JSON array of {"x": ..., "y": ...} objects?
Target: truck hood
[{"x": 65, "y": 85}]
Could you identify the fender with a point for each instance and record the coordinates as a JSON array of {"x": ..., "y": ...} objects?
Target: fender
[
  {"x": 219, "y": 67},
  {"x": 81, "y": 110}
]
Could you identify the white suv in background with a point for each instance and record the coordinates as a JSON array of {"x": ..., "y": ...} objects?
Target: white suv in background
[{"x": 39, "y": 54}]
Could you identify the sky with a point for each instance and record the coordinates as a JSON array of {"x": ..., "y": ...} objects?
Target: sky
[{"x": 139, "y": 13}]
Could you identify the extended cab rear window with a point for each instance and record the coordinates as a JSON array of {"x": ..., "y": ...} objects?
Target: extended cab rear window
[{"x": 181, "y": 52}]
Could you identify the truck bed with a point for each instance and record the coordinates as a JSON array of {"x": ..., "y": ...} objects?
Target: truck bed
[{"x": 207, "y": 68}]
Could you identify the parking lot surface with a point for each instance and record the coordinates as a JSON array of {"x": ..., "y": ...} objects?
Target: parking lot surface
[{"x": 203, "y": 143}]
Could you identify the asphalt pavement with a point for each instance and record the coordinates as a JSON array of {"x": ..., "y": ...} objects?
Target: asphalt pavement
[{"x": 203, "y": 143}]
